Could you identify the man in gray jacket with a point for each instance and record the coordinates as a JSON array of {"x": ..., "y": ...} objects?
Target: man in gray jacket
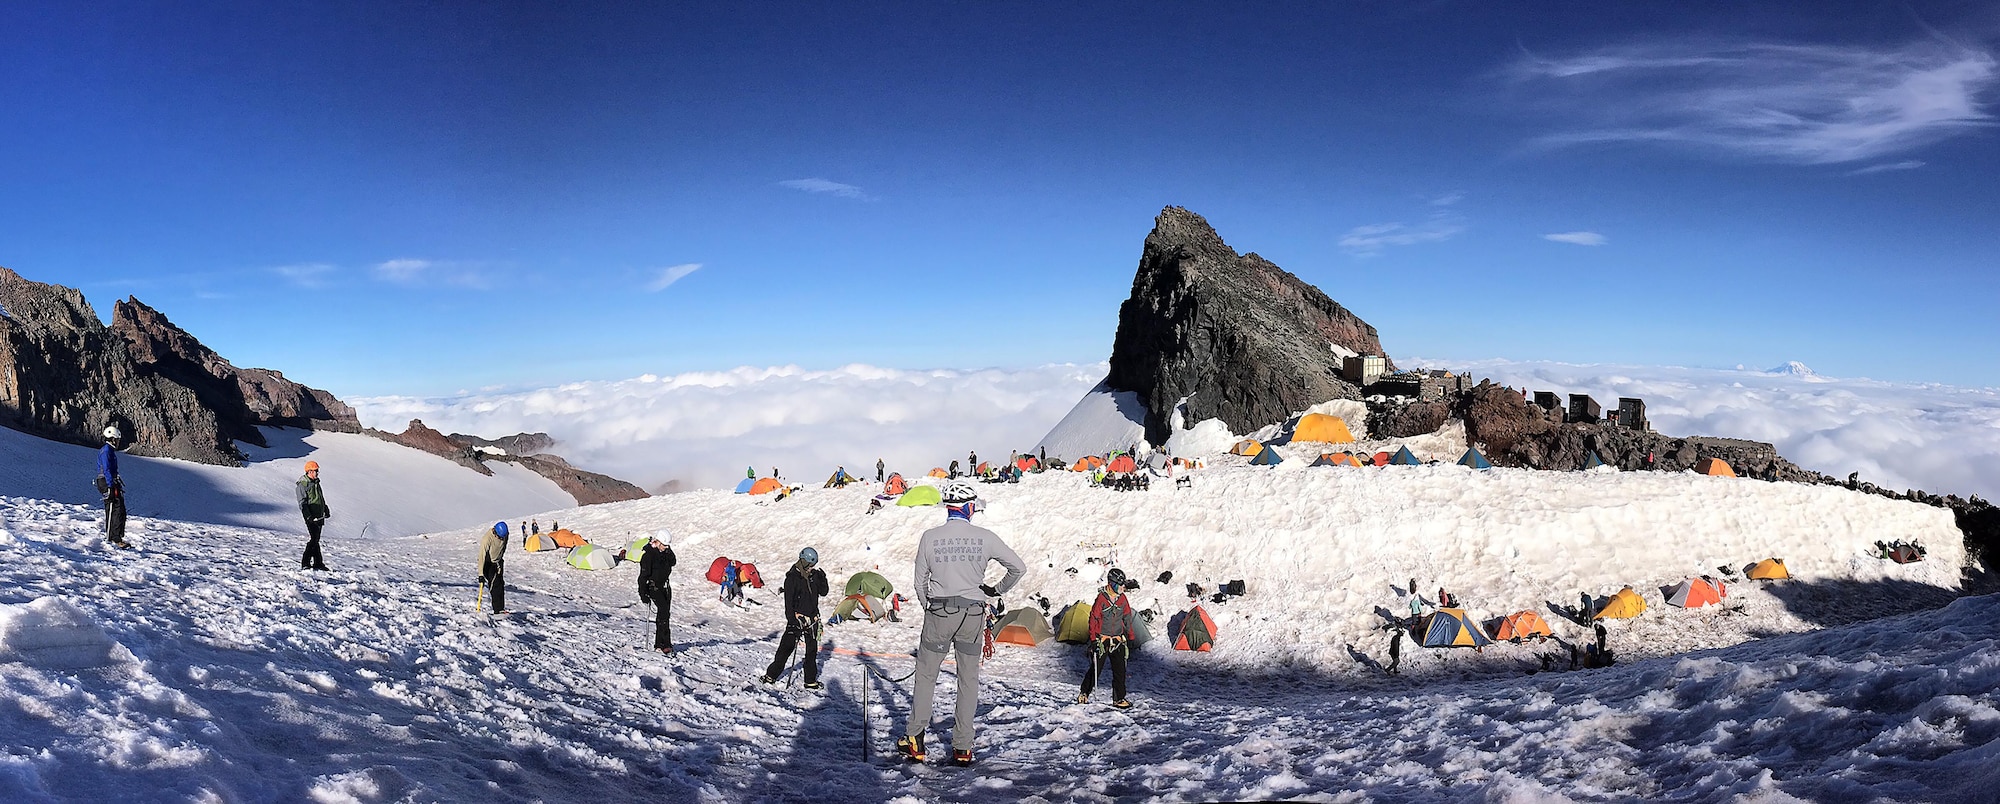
[
  {"x": 493, "y": 565},
  {"x": 951, "y": 588}
]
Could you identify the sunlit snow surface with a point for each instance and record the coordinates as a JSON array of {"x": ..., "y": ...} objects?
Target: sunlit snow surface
[{"x": 234, "y": 677}]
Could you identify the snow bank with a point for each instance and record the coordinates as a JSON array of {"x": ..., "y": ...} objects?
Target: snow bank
[
  {"x": 1104, "y": 420},
  {"x": 52, "y": 634},
  {"x": 375, "y": 488}
]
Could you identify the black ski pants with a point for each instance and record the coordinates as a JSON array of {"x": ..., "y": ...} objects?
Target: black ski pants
[
  {"x": 1114, "y": 657},
  {"x": 793, "y": 634},
  {"x": 663, "y": 630},
  {"x": 312, "y": 559},
  {"x": 494, "y": 574},
  {"x": 114, "y": 517}
]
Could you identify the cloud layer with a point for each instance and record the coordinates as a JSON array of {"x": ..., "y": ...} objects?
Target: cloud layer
[
  {"x": 1806, "y": 104},
  {"x": 1939, "y": 438},
  {"x": 703, "y": 428}
]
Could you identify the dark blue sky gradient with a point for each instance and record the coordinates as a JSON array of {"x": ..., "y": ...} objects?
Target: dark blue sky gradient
[{"x": 546, "y": 163}]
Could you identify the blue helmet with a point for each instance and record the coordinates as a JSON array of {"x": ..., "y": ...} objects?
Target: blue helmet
[
  {"x": 500, "y": 529},
  {"x": 809, "y": 555}
]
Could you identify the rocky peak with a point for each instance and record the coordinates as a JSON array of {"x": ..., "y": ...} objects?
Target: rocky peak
[
  {"x": 1241, "y": 339},
  {"x": 65, "y": 375}
]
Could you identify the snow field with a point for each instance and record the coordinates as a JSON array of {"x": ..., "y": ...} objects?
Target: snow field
[{"x": 247, "y": 680}]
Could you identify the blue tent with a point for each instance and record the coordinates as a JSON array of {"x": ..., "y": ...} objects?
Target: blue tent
[
  {"x": 1451, "y": 628},
  {"x": 1265, "y": 457},
  {"x": 744, "y": 487},
  {"x": 1592, "y": 461},
  {"x": 1475, "y": 460},
  {"x": 1404, "y": 457}
]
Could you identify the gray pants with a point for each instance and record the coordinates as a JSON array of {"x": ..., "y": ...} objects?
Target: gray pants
[{"x": 963, "y": 627}]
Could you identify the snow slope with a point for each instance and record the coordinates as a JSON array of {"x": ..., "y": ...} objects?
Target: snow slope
[
  {"x": 373, "y": 486},
  {"x": 1104, "y": 420},
  {"x": 185, "y": 670}
]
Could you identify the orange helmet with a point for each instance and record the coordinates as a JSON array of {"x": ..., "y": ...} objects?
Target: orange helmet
[{"x": 312, "y": 466}]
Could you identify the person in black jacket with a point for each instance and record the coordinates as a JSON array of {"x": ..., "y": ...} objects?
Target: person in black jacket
[
  {"x": 654, "y": 567},
  {"x": 804, "y": 585},
  {"x": 312, "y": 506}
]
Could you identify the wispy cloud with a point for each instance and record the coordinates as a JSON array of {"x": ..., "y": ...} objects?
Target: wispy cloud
[
  {"x": 667, "y": 276},
  {"x": 306, "y": 275},
  {"x": 1577, "y": 238},
  {"x": 825, "y": 186},
  {"x": 1370, "y": 240},
  {"x": 413, "y": 272},
  {"x": 1801, "y": 104},
  {"x": 1448, "y": 199},
  {"x": 1907, "y": 164},
  {"x": 700, "y": 428}
]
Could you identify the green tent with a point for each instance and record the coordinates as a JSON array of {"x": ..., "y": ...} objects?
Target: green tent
[
  {"x": 637, "y": 549},
  {"x": 920, "y": 495},
  {"x": 1073, "y": 624},
  {"x": 591, "y": 557},
  {"x": 871, "y": 584},
  {"x": 861, "y": 607}
]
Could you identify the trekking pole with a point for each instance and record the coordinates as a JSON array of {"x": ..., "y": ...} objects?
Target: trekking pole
[{"x": 864, "y": 713}]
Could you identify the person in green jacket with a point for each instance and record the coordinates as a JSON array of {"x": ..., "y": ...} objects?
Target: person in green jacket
[{"x": 312, "y": 505}]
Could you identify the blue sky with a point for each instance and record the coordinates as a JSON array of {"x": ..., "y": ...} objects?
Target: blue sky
[{"x": 405, "y": 198}]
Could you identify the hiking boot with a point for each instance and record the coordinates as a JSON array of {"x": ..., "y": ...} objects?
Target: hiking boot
[
  {"x": 1121, "y": 703},
  {"x": 1083, "y": 697},
  {"x": 961, "y": 757},
  {"x": 814, "y": 685},
  {"x": 912, "y": 748},
  {"x": 767, "y": 679}
]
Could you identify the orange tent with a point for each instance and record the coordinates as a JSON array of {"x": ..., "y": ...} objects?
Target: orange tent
[
  {"x": 1380, "y": 459},
  {"x": 983, "y": 467},
  {"x": 1087, "y": 463},
  {"x": 935, "y": 472},
  {"x": 1521, "y": 625},
  {"x": 764, "y": 485},
  {"x": 566, "y": 538},
  {"x": 1716, "y": 467},
  {"x": 1027, "y": 463},
  {"x": 1694, "y": 593},
  {"x": 1122, "y": 463},
  {"x": 1322, "y": 428},
  {"x": 896, "y": 484},
  {"x": 1337, "y": 459}
]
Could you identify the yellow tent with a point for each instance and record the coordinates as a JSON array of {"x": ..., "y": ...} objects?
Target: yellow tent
[
  {"x": 1770, "y": 569},
  {"x": 1248, "y": 446},
  {"x": 1321, "y": 428},
  {"x": 1715, "y": 466},
  {"x": 939, "y": 472},
  {"x": 1624, "y": 605}
]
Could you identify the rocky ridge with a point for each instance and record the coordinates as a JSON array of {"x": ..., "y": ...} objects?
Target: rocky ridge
[
  {"x": 589, "y": 488},
  {"x": 1237, "y": 337}
]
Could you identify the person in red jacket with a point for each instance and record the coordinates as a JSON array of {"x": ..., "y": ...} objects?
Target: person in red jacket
[{"x": 1111, "y": 630}]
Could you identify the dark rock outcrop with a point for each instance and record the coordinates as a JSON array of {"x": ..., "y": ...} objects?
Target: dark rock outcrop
[
  {"x": 589, "y": 488},
  {"x": 1239, "y": 338},
  {"x": 516, "y": 444},
  {"x": 1399, "y": 419},
  {"x": 64, "y": 375}
]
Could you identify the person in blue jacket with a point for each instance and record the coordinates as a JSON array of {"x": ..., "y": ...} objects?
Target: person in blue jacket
[{"x": 111, "y": 488}]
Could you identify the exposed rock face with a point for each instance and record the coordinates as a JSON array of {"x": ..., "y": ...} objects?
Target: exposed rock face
[
  {"x": 64, "y": 376},
  {"x": 1241, "y": 339},
  {"x": 589, "y": 488},
  {"x": 1394, "y": 420},
  {"x": 517, "y": 444},
  {"x": 1520, "y": 434}
]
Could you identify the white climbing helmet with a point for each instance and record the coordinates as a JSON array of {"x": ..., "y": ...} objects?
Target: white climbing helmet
[
  {"x": 957, "y": 492},
  {"x": 111, "y": 433}
]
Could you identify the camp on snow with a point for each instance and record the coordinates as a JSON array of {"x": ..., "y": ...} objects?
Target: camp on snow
[
  {"x": 1770, "y": 569},
  {"x": 1266, "y": 457},
  {"x": 1337, "y": 459},
  {"x": 1522, "y": 625},
  {"x": 1716, "y": 467},
  {"x": 1087, "y": 463},
  {"x": 1022, "y": 626},
  {"x": 1693, "y": 593},
  {"x": 1622, "y": 606},
  {"x": 1404, "y": 457},
  {"x": 1122, "y": 463},
  {"x": 1193, "y": 630},
  {"x": 1248, "y": 446},
  {"x": 592, "y": 557},
  {"x": 766, "y": 485},
  {"x": 1475, "y": 460},
  {"x": 920, "y": 495},
  {"x": 1451, "y": 628},
  {"x": 895, "y": 485},
  {"x": 1322, "y": 428},
  {"x": 566, "y": 538},
  {"x": 838, "y": 479},
  {"x": 1073, "y": 624}
]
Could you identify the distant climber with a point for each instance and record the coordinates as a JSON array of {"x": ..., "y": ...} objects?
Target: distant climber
[
  {"x": 804, "y": 585},
  {"x": 312, "y": 506},
  {"x": 878, "y": 470},
  {"x": 493, "y": 566},
  {"x": 111, "y": 488},
  {"x": 655, "y": 566}
]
